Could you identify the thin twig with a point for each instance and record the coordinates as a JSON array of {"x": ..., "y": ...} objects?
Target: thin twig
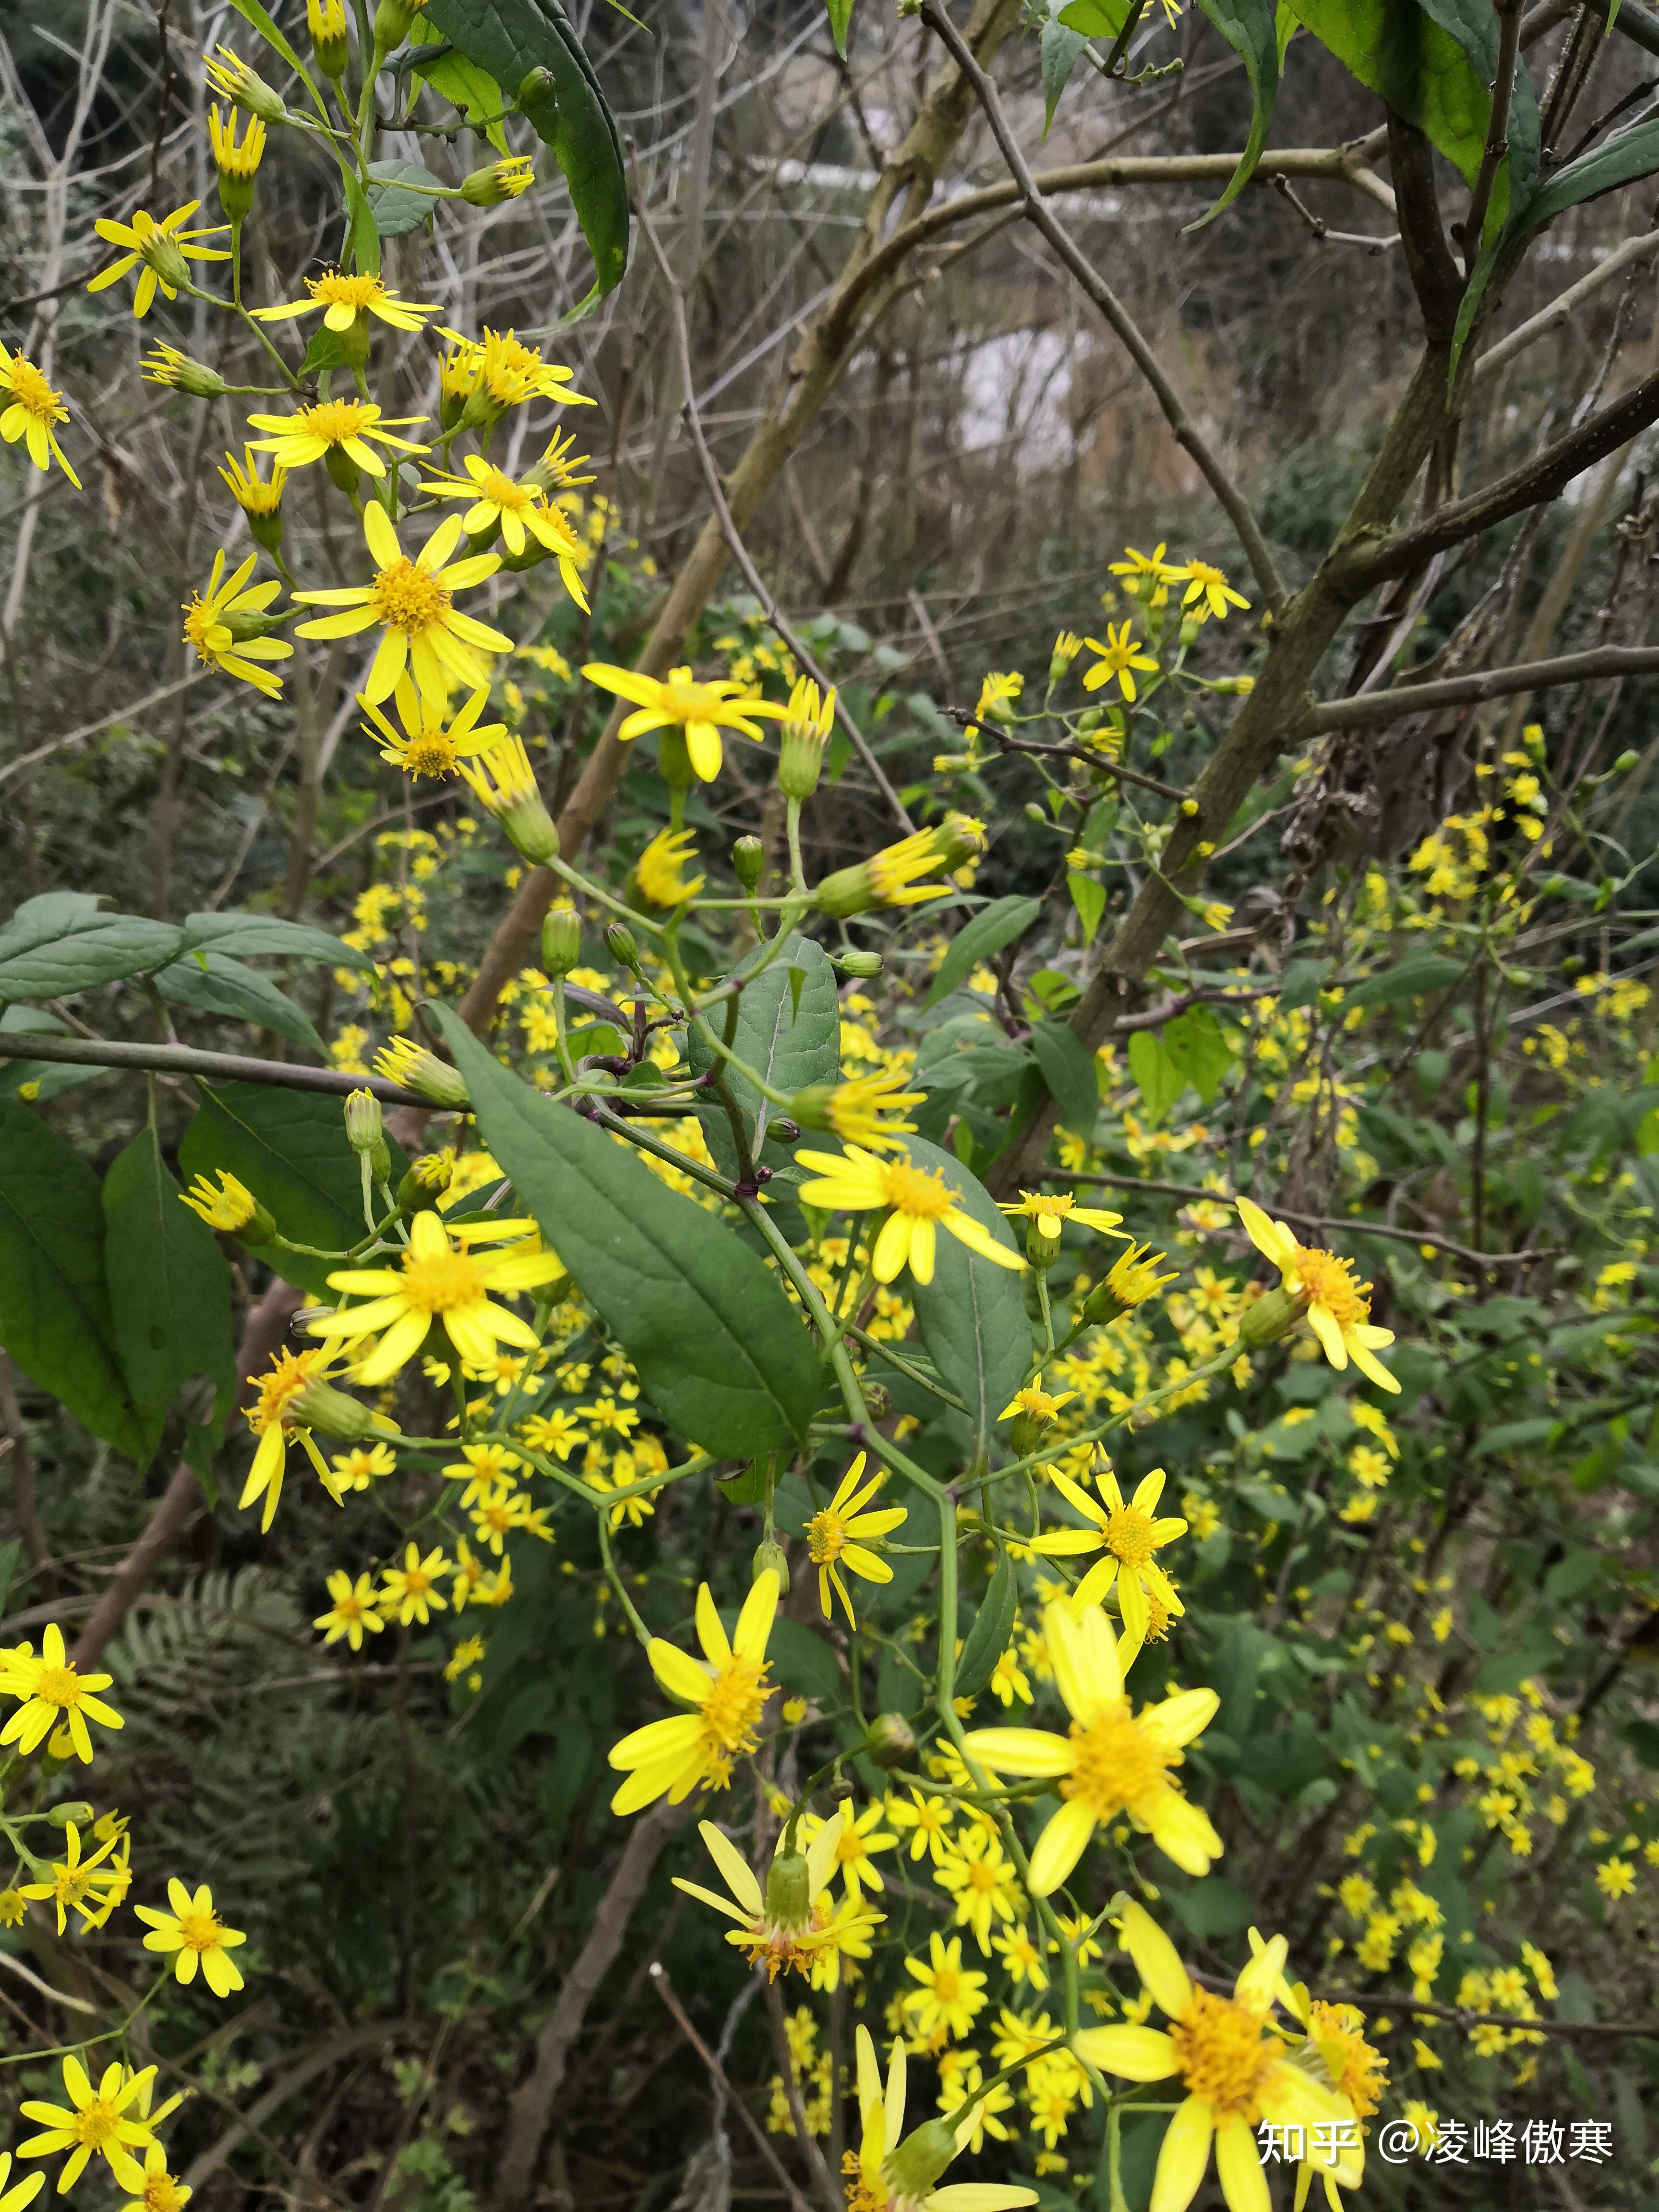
[
  {"x": 1494, "y": 683},
  {"x": 220, "y": 1067},
  {"x": 1497, "y": 129},
  {"x": 762, "y": 2141}
]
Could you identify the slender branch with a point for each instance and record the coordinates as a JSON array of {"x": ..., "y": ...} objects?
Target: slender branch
[
  {"x": 217, "y": 1066},
  {"x": 1116, "y": 314},
  {"x": 1497, "y": 129},
  {"x": 1008, "y": 743},
  {"x": 1402, "y": 2000},
  {"x": 1494, "y": 683},
  {"x": 762, "y": 2141},
  {"x": 1565, "y": 305}
]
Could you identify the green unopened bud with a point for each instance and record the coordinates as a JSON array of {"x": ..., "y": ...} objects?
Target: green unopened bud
[
  {"x": 788, "y": 1891},
  {"x": 1626, "y": 762},
  {"x": 537, "y": 89},
  {"x": 621, "y": 945},
  {"x": 562, "y": 939},
  {"x": 73, "y": 1813},
  {"x": 1268, "y": 1318},
  {"x": 877, "y": 1401},
  {"x": 1089, "y": 721},
  {"x": 392, "y": 21},
  {"x": 168, "y": 365},
  {"x": 230, "y": 76},
  {"x": 502, "y": 180},
  {"x": 863, "y": 964},
  {"x": 805, "y": 732},
  {"x": 891, "y": 1741},
  {"x": 771, "y": 1558},
  {"x": 914, "y": 2169},
  {"x": 320, "y": 1406},
  {"x": 362, "y": 1120},
  {"x": 326, "y": 21},
  {"x": 425, "y": 1181},
  {"x": 749, "y": 862}
]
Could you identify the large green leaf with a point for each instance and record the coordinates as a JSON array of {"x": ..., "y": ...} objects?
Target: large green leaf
[
  {"x": 212, "y": 983},
  {"x": 509, "y": 39},
  {"x": 461, "y": 82},
  {"x": 713, "y": 1337},
  {"x": 401, "y": 196},
  {"x": 244, "y": 934},
  {"x": 170, "y": 1284},
  {"x": 993, "y": 1623},
  {"x": 49, "y": 948},
  {"x": 289, "y": 1149},
  {"x": 788, "y": 1030},
  {"x": 32, "y": 1081},
  {"x": 55, "y": 1317},
  {"x": 1068, "y": 1069},
  {"x": 972, "y": 1314},
  {"x": 1250, "y": 26},
  {"x": 993, "y": 927}
]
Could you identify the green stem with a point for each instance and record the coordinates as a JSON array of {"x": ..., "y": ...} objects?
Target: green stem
[{"x": 603, "y": 1519}]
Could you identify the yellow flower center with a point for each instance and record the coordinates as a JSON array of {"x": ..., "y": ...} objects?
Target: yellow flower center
[
  {"x": 201, "y": 1930},
  {"x": 417, "y": 1581},
  {"x": 32, "y": 393},
  {"x": 923, "y": 1193},
  {"x": 1353, "y": 2068},
  {"x": 732, "y": 1710},
  {"x": 685, "y": 702},
  {"x": 96, "y": 2125},
  {"x": 826, "y": 1537},
  {"x": 1037, "y": 1405},
  {"x": 59, "y": 1686},
  {"x": 1158, "y": 1618},
  {"x": 431, "y": 753},
  {"x": 1114, "y": 1763},
  {"x": 293, "y": 1370},
  {"x": 337, "y": 419},
  {"x": 1223, "y": 2054},
  {"x": 335, "y": 290},
  {"x": 441, "y": 1283},
  {"x": 1323, "y": 1279},
  {"x": 203, "y": 628},
  {"x": 406, "y": 598},
  {"x": 498, "y": 490},
  {"x": 161, "y": 2193},
  {"x": 350, "y": 1607},
  {"x": 983, "y": 1877},
  {"x": 860, "y": 2196},
  {"x": 1049, "y": 1212},
  {"x": 947, "y": 1986},
  {"x": 1129, "y": 1535}
]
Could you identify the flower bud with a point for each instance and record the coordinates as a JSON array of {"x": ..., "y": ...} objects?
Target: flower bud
[
  {"x": 562, "y": 939},
  {"x": 538, "y": 90},
  {"x": 771, "y": 1558},
  {"x": 418, "y": 1070},
  {"x": 320, "y": 1406},
  {"x": 73, "y": 1813},
  {"x": 392, "y": 21},
  {"x": 504, "y": 784},
  {"x": 231, "y": 1209},
  {"x": 788, "y": 1891},
  {"x": 1067, "y": 646},
  {"x": 425, "y": 1181},
  {"x": 914, "y": 2169},
  {"x": 502, "y": 180},
  {"x": 244, "y": 87},
  {"x": 362, "y": 1120},
  {"x": 326, "y": 21},
  {"x": 621, "y": 945},
  {"x": 749, "y": 862},
  {"x": 877, "y": 1401},
  {"x": 806, "y": 729},
  {"x": 891, "y": 1742},
  {"x": 1269, "y": 1317},
  {"x": 168, "y": 365},
  {"x": 864, "y": 964},
  {"x": 1626, "y": 762}
]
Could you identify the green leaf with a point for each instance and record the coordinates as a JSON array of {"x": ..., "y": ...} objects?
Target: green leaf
[
  {"x": 325, "y": 348},
  {"x": 362, "y": 239},
  {"x": 1157, "y": 1078},
  {"x": 840, "y": 13},
  {"x": 972, "y": 1314},
  {"x": 243, "y": 934},
  {"x": 790, "y": 1035},
  {"x": 1421, "y": 972},
  {"x": 1212, "y": 1907},
  {"x": 1096, "y": 19},
  {"x": 713, "y": 1340},
  {"x": 1089, "y": 897},
  {"x": 1201, "y": 1055},
  {"x": 999, "y": 924},
  {"x": 1301, "y": 984},
  {"x": 510, "y": 38},
  {"x": 1059, "y": 47},
  {"x": 41, "y": 1079},
  {"x": 993, "y": 1623},
  {"x": 289, "y": 1149},
  {"x": 1249, "y": 28},
  {"x": 47, "y": 951},
  {"x": 461, "y": 82},
  {"x": 170, "y": 1284},
  {"x": 55, "y": 1317},
  {"x": 223, "y": 986},
  {"x": 1068, "y": 1069},
  {"x": 396, "y": 208}
]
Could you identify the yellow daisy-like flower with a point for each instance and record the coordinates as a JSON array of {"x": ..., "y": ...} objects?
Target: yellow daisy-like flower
[
  {"x": 234, "y": 162},
  {"x": 855, "y": 1842},
  {"x": 87, "y": 1886},
  {"x": 1115, "y": 1761},
  {"x": 1048, "y": 1212},
  {"x": 840, "y": 1537},
  {"x": 195, "y": 1934},
  {"x": 948, "y": 1994},
  {"x": 1151, "y": 568},
  {"x": 163, "y": 248},
  {"x": 508, "y": 372},
  {"x": 230, "y": 1209},
  {"x": 413, "y": 601},
  {"x": 1034, "y": 1403},
  {"x": 1336, "y": 2051},
  {"x": 54, "y": 1695},
  {"x": 353, "y": 1612},
  {"x": 95, "y": 2123},
  {"x": 777, "y": 1927},
  {"x": 1233, "y": 2065},
  {"x": 891, "y": 2173},
  {"x": 342, "y": 299},
  {"x": 1120, "y": 657},
  {"x": 224, "y": 626},
  {"x": 1208, "y": 586},
  {"x": 659, "y": 870},
  {"x": 273, "y": 1419},
  {"x": 699, "y": 711},
  {"x": 427, "y": 745},
  {"x": 521, "y": 512},
  {"x": 345, "y": 426},
  {"x": 918, "y": 1203},
  {"x": 31, "y": 411},
  {"x": 727, "y": 1690},
  {"x": 889, "y": 877},
  {"x": 21, "y": 2192},
  {"x": 258, "y": 496},
  {"x": 862, "y": 1111},
  {"x": 981, "y": 1879},
  {"x": 1133, "y": 1277},
  {"x": 160, "y": 2191},
  {"x": 1127, "y": 1536},
  {"x": 1336, "y": 1307},
  {"x": 439, "y": 1278},
  {"x": 410, "y": 1591}
]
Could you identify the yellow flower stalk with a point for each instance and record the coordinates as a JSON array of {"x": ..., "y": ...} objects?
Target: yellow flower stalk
[
  {"x": 726, "y": 1690},
  {"x": 1128, "y": 1536},
  {"x": 918, "y": 1203},
  {"x": 1233, "y": 2064},
  {"x": 55, "y": 1697},
  {"x": 344, "y": 299},
  {"x": 440, "y": 1279},
  {"x": 95, "y": 2123},
  {"x": 336, "y": 426},
  {"x": 427, "y": 745},
  {"x": 225, "y": 626},
  {"x": 353, "y": 1612},
  {"x": 196, "y": 1937},
  {"x": 413, "y": 601},
  {"x": 1113, "y": 1762},
  {"x": 163, "y": 248},
  {"x": 786, "y": 1927},
  {"x": 890, "y": 2171},
  {"x": 841, "y": 1534},
  {"x": 859, "y": 1112},
  {"x": 698, "y": 712},
  {"x": 1325, "y": 1294},
  {"x": 1120, "y": 656},
  {"x": 32, "y": 408},
  {"x": 659, "y": 871}
]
